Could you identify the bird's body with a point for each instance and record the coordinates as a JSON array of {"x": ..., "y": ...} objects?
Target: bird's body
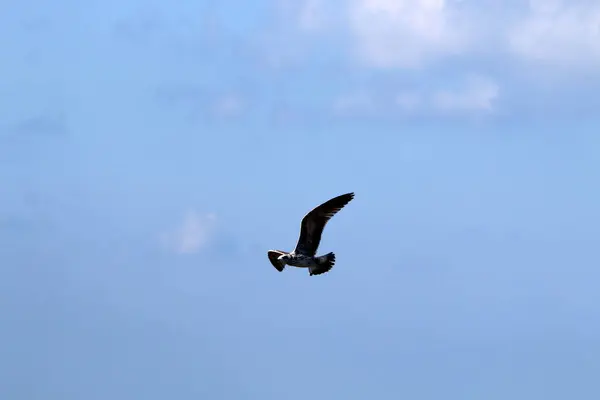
[
  {"x": 313, "y": 223},
  {"x": 300, "y": 260}
]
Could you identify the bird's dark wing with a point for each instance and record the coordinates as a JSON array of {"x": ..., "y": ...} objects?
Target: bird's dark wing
[
  {"x": 273, "y": 255},
  {"x": 321, "y": 269},
  {"x": 314, "y": 222}
]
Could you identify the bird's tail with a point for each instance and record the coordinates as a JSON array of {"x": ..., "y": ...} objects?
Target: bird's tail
[
  {"x": 273, "y": 258},
  {"x": 325, "y": 263}
]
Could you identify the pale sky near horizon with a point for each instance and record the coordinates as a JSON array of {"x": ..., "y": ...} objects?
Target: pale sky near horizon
[{"x": 152, "y": 152}]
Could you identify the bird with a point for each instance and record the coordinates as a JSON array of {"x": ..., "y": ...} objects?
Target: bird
[{"x": 311, "y": 229}]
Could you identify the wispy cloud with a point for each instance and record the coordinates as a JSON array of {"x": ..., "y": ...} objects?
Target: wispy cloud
[
  {"x": 477, "y": 94},
  {"x": 420, "y": 49},
  {"x": 201, "y": 101},
  {"x": 559, "y": 33},
  {"x": 408, "y": 101},
  {"x": 404, "y": 33},
  {"x": 192, "y": 234},
  {"x": 311, "y": 15},
  {"x": 409, "y": 34},
  {"x": 473, "y": 94},
  {"x": 352, "y": 103},
  {"x": 229, "y": 105}
]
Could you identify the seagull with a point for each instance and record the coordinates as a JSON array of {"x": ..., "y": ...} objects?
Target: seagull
[{"x": 311, "y": 229}]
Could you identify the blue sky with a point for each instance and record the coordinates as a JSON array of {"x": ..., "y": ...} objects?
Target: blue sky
[{"x": 152, "y": 152}]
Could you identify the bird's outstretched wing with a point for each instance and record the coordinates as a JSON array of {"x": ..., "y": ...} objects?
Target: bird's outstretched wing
[
  {"x": 314, "y": 222},
  {"x": 273, "y": 255}
]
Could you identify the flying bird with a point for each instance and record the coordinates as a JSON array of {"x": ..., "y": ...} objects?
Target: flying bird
[{"x": 311, "y": 230}]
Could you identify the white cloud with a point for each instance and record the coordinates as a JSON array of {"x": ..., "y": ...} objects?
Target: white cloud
[
  {"x": 559, "y": 33},
  {"x": 192, "y": 235},
  {"x": 415, "y": 33},
  {"x": 478, "y": 94},
  {"x": 404, "y": 33}
]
